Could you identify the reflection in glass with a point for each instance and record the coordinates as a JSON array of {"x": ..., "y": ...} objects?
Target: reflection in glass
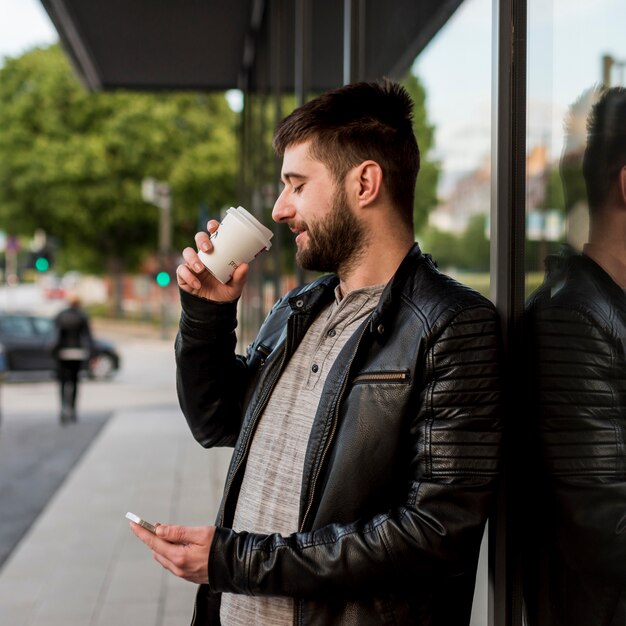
[
  {"x": 575, "y": 569},
  {"x": 573, "y": 472}
]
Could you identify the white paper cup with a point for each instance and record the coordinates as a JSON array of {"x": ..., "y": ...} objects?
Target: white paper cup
[{"x": 239, "y": 239}]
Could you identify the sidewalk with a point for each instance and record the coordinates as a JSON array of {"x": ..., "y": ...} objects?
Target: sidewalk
[{"x": 79, "y": 564}]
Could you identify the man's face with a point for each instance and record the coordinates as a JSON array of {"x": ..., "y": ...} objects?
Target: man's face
[{"x": 329, "y": 237}]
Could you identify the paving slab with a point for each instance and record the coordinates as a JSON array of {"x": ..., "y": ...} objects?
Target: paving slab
[
  {"x": 79, "y": 564},
  {"x": 35, "y": 457}
]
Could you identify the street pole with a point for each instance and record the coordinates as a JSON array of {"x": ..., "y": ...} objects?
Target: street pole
[
  {"x": 159, "y": 194},
  {"x": 608, "y": 63},
  {"x": 165, "y": 245}
]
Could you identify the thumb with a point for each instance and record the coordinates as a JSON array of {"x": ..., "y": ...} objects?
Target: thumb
[
  {"x": 171, "y": 533},
  {"x": 240, "y": 276},
  {"x": 184, "y": 535}
]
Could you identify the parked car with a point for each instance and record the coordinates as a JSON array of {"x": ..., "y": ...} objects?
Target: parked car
[{"x": 27, "y": 339}]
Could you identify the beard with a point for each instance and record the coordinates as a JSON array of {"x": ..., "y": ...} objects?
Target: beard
[{"x": 336, "y": 243}]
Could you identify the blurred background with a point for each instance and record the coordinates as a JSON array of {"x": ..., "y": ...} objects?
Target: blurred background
[{"x": 126, "y": 125}]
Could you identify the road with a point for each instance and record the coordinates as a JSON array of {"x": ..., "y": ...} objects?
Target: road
[{"x": 36, "y": 452}]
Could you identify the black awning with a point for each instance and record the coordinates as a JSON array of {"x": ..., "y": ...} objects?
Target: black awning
[{"x": 209, "y": 44}]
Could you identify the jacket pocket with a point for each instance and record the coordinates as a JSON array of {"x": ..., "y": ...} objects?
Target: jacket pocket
[{"x": 389, "y": 377}]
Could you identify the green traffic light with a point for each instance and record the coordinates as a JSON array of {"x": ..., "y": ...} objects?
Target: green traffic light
[
  {"x": 163, "y": 279},
  {"x": 42, "y": 264}
]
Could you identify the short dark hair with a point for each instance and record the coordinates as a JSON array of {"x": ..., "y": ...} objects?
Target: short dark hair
[
  {"x": 605, "y": 154},
  {"x": 348, "y": 125}
]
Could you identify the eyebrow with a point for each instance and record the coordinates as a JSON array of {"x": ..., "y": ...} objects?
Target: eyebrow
[{"x": 288, "y": 176}]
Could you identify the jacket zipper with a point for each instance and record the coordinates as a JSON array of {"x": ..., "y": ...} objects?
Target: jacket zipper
[
  {"x": 253, "y": 421},
  {"x": 331, "y": 435},
  {"x": 390, "y": 377},
  {"x": 297, "y": 614},
  {"x": 264, "y": 351}
]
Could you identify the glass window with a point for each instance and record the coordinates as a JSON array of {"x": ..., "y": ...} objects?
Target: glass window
[
  {"x": 455, "y": 69},
  {"x": 574, "y": 561},
  {"x": 43, "y": 325},
  {"x": 18, "y": 327},
  {"x": 453, "y": 225}
]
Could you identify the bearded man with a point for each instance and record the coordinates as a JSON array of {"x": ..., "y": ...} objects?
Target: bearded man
[{"x": 365, "y": 416}]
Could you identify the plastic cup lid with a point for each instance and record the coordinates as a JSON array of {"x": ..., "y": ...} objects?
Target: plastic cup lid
[
  {"x": 252, "y": 227},
  {"x": 266, "y": 232}
]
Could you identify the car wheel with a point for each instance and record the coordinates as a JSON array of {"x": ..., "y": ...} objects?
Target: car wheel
[{"x": 101, "y": 366}]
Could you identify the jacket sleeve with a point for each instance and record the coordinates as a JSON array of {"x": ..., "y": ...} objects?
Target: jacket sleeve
[
  {"x": 87, "y": 335},
  {"x": 581, "y": 391},
  {"x": 210, "y": 377},
  {"x": 437, "y": 527}
]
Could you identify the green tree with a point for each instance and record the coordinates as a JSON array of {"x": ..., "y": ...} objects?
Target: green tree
[
  {"x": 72, "y": 162},
  {"x": 443, "y": 245},
  {"x": 554, "y": 197},
  {"x": 428, "y": 177},
  {"x": 474, "y": 245},
  {"x": 467, "y": 251}
]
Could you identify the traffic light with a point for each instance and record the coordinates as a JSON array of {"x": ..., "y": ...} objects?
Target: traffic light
[
  {"x": 40, "y": 260},
  {"x": 42, "y": 264},
  {"x": 163, "y": 279}
]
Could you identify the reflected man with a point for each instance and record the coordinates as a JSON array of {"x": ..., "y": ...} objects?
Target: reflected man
[{"x": 577, "y": 324}]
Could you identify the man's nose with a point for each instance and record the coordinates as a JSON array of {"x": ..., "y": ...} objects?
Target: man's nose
[{"x": 283, "y": 209}]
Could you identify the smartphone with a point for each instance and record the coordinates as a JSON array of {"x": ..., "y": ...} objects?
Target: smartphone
[{"x": 142, "y": 522}]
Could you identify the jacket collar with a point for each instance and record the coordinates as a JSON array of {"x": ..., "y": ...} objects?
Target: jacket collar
[
  {"x": 313, "y": 296},
  {"x": 395, "y": 287},
  {"x": 601, "y": 276}
]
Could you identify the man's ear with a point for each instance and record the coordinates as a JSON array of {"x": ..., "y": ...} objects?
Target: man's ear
[{"x": 368, "y": 180}]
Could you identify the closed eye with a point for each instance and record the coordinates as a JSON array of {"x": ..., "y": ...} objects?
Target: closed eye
[{"x": 293, "y": 180}]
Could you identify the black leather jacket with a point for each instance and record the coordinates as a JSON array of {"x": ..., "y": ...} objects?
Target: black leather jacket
[
  {"x": 577, "y": 329},
  {"x": 401, "y": 462}
]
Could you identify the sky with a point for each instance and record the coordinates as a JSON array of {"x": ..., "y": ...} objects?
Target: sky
[{"x": 24, "y": 24}]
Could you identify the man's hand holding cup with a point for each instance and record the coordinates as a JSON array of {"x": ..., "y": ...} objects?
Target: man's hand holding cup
[{"x": 219, "y": 269}]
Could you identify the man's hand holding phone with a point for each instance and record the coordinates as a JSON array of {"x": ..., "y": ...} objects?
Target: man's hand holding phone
[{"x": 183, "y": 550}]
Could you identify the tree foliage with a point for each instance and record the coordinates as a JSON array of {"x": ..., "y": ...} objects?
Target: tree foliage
[
  {"x": 467, "y": 251},
  {"x": 428, "y": 177},
  {"x": 72, "y": 162}
]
